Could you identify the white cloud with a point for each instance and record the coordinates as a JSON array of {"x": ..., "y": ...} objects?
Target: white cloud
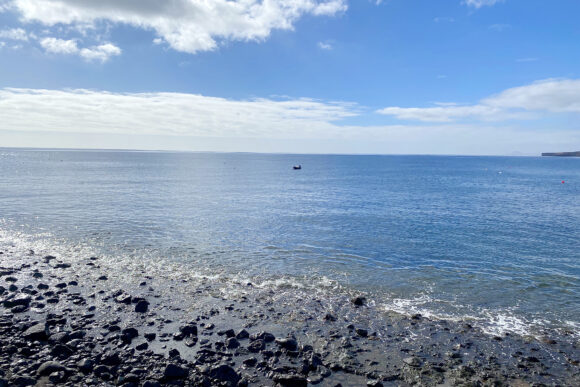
[
  {"x": 444, "y": 19},
  {"x": 525, "y": 102},
  {"x": 100, "y": 53},
  {"x": 14, "y": 34},
  {"x": 480, "y": 3},
  {"x": 59, "y": 46},
  {"x": 524, "y": 60},
  {"x": 2, "y": 44},
  {"x": 98, "y": 119},
  {"x": 167, "y": 113},
  {"x": 499, "y": 27},
  {"x": 325, "y": 46},
  {"x": 186, "y": 25}
]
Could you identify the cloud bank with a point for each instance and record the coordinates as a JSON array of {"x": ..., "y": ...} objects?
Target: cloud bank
[
  {"x": 179, "y": 121},
  {"x": 185, "y": 25},
  {"x": 166, "y": 114},
  {"x": 524, "y": 102}
]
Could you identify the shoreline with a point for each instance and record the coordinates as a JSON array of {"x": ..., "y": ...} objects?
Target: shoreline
[{"x": 68, "y": 322}]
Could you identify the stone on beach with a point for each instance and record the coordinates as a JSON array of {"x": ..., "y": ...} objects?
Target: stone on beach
[
  {"x": 142, "y": 306},
  {"x": 173, "y": 371},
  {"x": 38, "y": 332}
]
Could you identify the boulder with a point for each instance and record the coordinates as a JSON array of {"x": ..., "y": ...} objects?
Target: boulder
[
  {"x": 291, "y": 380},
  {"x": 142, "y": 306},
  {"x": 289, "y": 344},
  {"x": 173, "y": 371},
  {"x": 49, "y": 367},
  {"x": 37, "y": 332},
  {"x": 224, "y": 373}
]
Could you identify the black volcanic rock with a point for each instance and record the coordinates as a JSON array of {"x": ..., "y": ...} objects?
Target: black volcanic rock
[{"x": 37, "y": 332}]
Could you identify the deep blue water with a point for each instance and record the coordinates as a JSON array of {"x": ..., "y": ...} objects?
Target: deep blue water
[{"x": 494, "y": 238}]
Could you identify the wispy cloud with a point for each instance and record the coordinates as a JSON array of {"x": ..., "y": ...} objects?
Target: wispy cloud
[
  {"x": 185, "y": 25},
  {"x": 100, "y": 53},
  {"x": 481, "y": 3},
  {"x": 499, "y": 27},
  {"x": 523, "y": 60},
  {"x": 325, "y": 46},
  {"x": 443, "y": 19},
  {"x": 525, "y": 102}
]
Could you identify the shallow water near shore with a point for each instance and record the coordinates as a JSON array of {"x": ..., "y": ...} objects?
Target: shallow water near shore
[{"x": 494, "y": 240}]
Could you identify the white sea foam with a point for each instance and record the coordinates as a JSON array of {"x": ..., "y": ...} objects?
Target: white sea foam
[{"x": 284, "y": 287}]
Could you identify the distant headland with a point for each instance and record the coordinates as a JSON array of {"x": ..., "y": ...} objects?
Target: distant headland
[{"x": 563, "y": 154}]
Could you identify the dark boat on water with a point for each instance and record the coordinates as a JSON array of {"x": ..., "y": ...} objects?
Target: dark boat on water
[{"x": 297, "y": 167}]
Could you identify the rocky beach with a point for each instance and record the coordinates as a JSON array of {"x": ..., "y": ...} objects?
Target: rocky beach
[{"x": 76, "y": 321}]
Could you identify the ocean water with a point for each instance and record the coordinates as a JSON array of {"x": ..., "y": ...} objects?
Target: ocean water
[{"x": 492, "y": 239}]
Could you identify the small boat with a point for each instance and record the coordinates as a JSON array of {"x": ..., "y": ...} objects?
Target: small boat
[{"x": 297, "y": 166}]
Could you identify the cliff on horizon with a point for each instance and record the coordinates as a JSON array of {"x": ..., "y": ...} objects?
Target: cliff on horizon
[{"x": 563, "y": 154}]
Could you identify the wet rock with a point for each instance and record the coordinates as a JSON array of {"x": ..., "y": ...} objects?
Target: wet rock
[
  {"x": 86, "y": 365},
  {"x": 291, "y": 380},
  {"x": 188, "y": 330},
  {"x": 224, "y": 373},
  {"x": 329, "y": 317},
  {"x": 243, "y": 334},
  {"x": 142, "y": 306},
  {"x": 362, "y": 332},
  {"x": 174, "y": 353},
  {"x": 150, "y": 336},
  {"x": 49, "y": 258},
  {"x": 18, "y": 380},
  {"x": 11, "y": 279},
  {"x": 62, "y": 266},
  {"x": 358, "y": 301},
  {"x": 413, "y": 361},
  {"x": 250, "y": 362},
  {"x": 151, "y": 383},
  {"x": 256, "y": 346},
  {"x": 127, "y": 379},
  {"x": 227, "y": 333},
  {"x": 289, "y": 344},
  {"x": 42, "y": 286},
  {"x": 128, "y": 334},
  {"x": 111, "y": 359},
  {"x": 49, "y": 367},
  {"x": 101, "y": 370},
  {"x": 265, "y": 336},
  {"x": 374, "y": 383},
  {"x": 173, "y": 371},
  {"x": 61, "y": 285},
  {"x": 314, "y": 362},
  {"x": 102, "y": 278},
  {"x": 123, "y": 299},
  {"x": 19, "y": 309},
  {"x": 61, "y": 351},
  {"x": 232, "y": 343},
  {"x": 18, "y": 300},
  {"x": 37, "y": 332},
  {"x": 2, "y": 290},
  {"x": 142, "y": 347}
]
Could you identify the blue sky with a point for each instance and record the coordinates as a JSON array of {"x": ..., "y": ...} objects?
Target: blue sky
[{"x": 323, "y": 76}]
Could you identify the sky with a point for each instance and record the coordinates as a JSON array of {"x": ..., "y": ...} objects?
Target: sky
[{"x": 472, "y": 77}]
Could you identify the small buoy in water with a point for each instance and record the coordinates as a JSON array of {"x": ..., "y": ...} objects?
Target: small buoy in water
[{"x": 563, "y": 181}]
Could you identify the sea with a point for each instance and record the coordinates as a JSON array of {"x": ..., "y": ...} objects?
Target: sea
[{"x": 491, "y": 240}]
